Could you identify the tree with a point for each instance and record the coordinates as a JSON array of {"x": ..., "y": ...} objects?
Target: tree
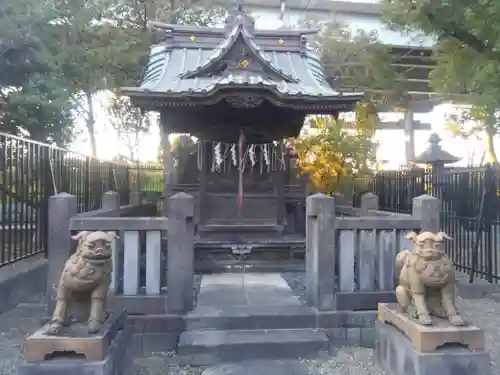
[
  {"x": 129, "y": 123},
  {"x": 104, "y": 44},
  {"x": 332, "y": 151},
  {"x": 95, "y": 52},
  {"x": 468, "y": 124},
  {"x": 467, "y": 57},
  {"x": 359, "y": 61},
  {"x": 33, "y": 98},
  {"x": 190, "y": 12}
]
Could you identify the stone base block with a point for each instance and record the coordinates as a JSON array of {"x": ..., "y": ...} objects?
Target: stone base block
[
  {"x": 429, "y": 338},
  {"x": 396, "y": 355},
  {"x": 74, "y": 339},
  {"x": 81, "y": 359},
  {"x": 356, "y": 301}
]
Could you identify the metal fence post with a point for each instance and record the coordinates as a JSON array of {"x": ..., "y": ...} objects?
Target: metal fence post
[{"x": 490, "y": 219}]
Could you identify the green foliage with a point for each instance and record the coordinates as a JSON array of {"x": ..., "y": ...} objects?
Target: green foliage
[
  {"x": 467, "y": 53},
  {"x": 359, "y": 61},
  {"x": 473, "y": 121},
  {"x": 104, "y": 44},
  {"x": 55, "y": 56},
  {"x": 33, "y": 99},
  {"x": 333, "y": 152},
  {"x": 188, "y": 12}
]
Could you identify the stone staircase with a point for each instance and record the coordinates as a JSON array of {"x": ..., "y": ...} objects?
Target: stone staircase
[
  {"x": 239, "y": 231},
  {"x": 248, "y": 316}
]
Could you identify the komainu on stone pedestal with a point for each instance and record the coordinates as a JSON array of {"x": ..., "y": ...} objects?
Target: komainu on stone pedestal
[
  {"x": 84, "y": 283},
  {"x": 427, "y": 280}
]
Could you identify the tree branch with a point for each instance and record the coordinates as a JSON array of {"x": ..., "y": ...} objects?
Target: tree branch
[{"x": 464, "y": 36}]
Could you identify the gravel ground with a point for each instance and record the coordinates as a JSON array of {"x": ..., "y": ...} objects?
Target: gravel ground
[
  {"x": 343, "y": 361},
  {"x": 24, "y": 319}
]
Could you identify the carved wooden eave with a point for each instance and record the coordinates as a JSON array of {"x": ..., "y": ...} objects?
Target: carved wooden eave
[{"x": 344, "y": 103}]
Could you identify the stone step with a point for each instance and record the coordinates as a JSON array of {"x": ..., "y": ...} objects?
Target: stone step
[
  {"x": 283, "y": 262},
  {"x": 240, "y": 233},
  {"x": 237, "y": 227},
  {"x": 205, "y": 348},
  {"x": 279, "y": 316}
]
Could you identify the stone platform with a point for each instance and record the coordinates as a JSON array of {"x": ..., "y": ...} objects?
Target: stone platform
[
  {"x": 427, "y": 339},
  {"x": 404, "y": 347},
  {"x": 76, "y": 352},
  {"x": 248, "y": 316}
]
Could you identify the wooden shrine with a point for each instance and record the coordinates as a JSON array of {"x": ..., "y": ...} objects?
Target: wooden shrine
[{"x": 241, "y": 92}]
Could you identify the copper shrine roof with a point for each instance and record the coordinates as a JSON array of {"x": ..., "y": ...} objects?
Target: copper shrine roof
[{"x": 198, "y": 62}]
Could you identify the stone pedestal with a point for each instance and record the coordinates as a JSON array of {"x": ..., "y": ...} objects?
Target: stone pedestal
[
  {"x": 76, "y": 352},
  {"x": 404, "y": 347}
]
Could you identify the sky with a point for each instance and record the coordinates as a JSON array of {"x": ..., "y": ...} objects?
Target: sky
[{"x": 391, "y": 142}]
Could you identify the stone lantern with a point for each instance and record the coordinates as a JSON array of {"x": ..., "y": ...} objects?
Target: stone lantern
[
  {"x": 435, "y": 155},
  {"x": 437, "y": 158}
]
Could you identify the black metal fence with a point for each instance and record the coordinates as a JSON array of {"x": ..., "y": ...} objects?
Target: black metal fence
[
  {"x": 30, "y": 172},
  {"x": 470, "y": 199}
]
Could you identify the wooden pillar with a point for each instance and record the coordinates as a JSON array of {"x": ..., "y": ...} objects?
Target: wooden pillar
[
  {"x": 409, "y": 132},
  {"x": 167, "y": 163},
  {"x": 278, "y": 188},
  {"x": 203, "y": 173}
]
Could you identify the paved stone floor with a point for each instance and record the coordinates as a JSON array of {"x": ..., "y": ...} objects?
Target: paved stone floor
[
  {"x": 24, "y": 319},
  {"x": 222, "y": 290}
]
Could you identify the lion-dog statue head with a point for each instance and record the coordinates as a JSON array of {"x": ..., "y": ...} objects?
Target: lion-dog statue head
[
  {"x": 428, "y": 245},
  {"x": 94, "y": 246}
]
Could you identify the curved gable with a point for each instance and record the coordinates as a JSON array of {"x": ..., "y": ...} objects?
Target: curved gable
[{"x": 235, "y": 51}]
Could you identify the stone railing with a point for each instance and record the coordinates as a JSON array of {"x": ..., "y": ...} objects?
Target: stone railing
[
  {"x": 127, "y": 250},
  {"x": 138, "y": 237},
  {"x": 350, "y": 260}
]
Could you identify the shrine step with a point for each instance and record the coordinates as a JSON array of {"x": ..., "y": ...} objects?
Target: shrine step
[
  {"x": 205, "y": 348},
  {"x": 239, "y": 232},
  {"x": 279, "y": 316},
  {"x": 240, "y": 227}
]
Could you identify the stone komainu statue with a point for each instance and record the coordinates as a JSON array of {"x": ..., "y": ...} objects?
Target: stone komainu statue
[
  {"x": 427, "y": 279},
  {"x": 85, "y": 279}
]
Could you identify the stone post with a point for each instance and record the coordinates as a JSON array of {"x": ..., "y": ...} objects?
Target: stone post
[
  {"x": 180, "y": 258},
  {"x": 135, "y": 198},
  {"x": 110, "y": 200},
  {"x": 320, "y": 251},
  {"x": 427, "y": 209},
  {"x": 369, "y": 201},
  {"x": 62, "y": 207}
]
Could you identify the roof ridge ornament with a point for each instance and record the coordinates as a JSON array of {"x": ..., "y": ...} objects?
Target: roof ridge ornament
[{"x": 239, "y": 17}]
